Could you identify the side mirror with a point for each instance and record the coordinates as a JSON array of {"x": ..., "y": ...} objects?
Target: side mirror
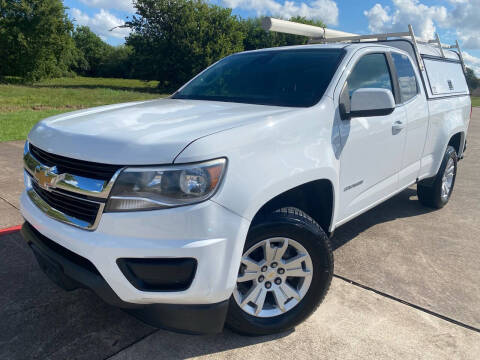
[{"x": 371, "y": 102}]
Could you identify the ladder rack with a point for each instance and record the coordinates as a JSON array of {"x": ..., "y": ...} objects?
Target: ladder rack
[
  {"x": 324, "y": 36},
  {"x": 376, "y": 37}
]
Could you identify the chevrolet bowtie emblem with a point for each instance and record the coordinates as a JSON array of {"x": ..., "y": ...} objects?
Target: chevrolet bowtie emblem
[{"x": 47, "y": 177}]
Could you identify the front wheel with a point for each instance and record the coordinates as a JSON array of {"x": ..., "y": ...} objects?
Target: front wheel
[
  {"x": 436, "y": 192},
  {"x": 285, "y": 272}
]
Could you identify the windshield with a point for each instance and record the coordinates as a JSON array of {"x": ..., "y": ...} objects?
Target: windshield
[{"x": 296, "y": 78}]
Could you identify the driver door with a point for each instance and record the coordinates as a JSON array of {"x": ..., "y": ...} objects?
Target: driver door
[{"x": 372, "y": 146}]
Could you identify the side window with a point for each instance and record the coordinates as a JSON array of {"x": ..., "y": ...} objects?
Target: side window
[
  {"x": 406, "y": 76},
  {"x": 371, "y": 71}
]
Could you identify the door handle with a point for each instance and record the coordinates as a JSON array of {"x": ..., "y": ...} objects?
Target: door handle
[{"x": 397, "y": 127}]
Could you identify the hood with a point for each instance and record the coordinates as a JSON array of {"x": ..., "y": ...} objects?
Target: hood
[{"x": 142, "y": 133}]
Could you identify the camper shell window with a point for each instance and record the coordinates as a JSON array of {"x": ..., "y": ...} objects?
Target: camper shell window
[{"x": 445, "y": 77}]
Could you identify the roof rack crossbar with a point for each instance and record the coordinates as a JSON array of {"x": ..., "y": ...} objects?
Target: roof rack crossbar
[
  {"x": 359, "y": 37},
  {"x": 325, "y": 36}
]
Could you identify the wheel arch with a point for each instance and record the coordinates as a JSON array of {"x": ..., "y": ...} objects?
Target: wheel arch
[
  {"x": 457, "y": 140},
  {"x": 316, "y": 198}
]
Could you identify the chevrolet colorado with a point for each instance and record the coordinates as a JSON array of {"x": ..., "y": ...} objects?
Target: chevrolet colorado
[{"x": 216, "y": 204}]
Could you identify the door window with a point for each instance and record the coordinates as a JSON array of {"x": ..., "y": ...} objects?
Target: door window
[
  {"x": 371, "y": 71},
  {"x": 406, "y": 76}
]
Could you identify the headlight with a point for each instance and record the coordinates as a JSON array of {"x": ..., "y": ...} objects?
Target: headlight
[{"x": 146, "y": 188}]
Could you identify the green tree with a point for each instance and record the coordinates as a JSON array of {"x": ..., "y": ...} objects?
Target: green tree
[
  {"x": 93, "y": 51},
  {"x": 35, "y": 39},
  {"x": 257, "y": 38},
  {"x": 173, "y": 40},
  {"x": 99, "y": 58},
  {"x": 117, "y": 62},
  {"x": 472, "y": 80}
]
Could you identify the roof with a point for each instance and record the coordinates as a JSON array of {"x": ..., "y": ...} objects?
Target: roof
[
  {"x": 291, "y": 47},
  {"x": 424, "y": 49}
]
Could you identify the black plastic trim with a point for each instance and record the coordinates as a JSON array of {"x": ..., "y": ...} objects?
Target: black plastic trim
[
  {"x": 394, "y": 77},
  {"x": 159, "y": 274},
  {"x": 189, "y": 319},
  {"x": 65, "y": 269},
  {"x": 366, "y": 113},
  {"x": 192, "y": 319},
  {"x": 41, "y": 240}
]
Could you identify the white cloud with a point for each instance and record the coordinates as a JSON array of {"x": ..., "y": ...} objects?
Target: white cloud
[
  {"x": 378, "y": 18},
  {"x": 325, "y": 10},
  {"x": 463, "y": 18},
  {"x": 420, "y": 16},
  {"x": 122, "y": 5},
  {"x": 101, "y": 23},
  {"x": 472, "y": 62}
]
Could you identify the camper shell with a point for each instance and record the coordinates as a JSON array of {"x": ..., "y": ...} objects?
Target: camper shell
[{"x": 442, "y": 71}]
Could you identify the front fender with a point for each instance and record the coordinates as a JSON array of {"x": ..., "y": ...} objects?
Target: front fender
[{"x": 270, "y": 157}]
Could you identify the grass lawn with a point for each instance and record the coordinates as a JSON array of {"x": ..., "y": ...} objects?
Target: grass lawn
[{"x": 21, "y": 106}]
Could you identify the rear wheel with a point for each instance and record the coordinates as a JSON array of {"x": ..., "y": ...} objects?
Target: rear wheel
[
  {"x": 285, "y": 272},
  {"x": 436, "y": 192}
]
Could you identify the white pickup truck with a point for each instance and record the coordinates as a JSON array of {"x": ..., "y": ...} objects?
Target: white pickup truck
[{"x": 216, "y": 204}]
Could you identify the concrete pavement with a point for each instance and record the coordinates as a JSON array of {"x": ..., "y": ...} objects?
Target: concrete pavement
[
  {"x": 352, "y": 323},
  {"x": 429, "y": 258},
  {"x": 11, "y": 182},
  {"x": 423, "y": 267}
]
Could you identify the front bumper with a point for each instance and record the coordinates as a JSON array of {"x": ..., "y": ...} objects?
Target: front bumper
[
  {"x": 66, "y": 270},
  {"x": 207, "y": 232}
]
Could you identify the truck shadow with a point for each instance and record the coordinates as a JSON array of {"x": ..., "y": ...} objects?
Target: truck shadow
[
  {"x": 167, "y": 345},
  {"x": 402, "y": 205}
]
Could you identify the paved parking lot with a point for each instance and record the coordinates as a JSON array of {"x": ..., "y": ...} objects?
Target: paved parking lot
[{"x": 407, "y": 287}]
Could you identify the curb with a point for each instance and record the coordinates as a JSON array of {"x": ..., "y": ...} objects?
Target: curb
[{"x": 10, "y": 230}]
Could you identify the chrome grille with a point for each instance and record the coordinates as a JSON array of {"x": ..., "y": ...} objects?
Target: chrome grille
[
  {"x": 68, "y": 190},
  {"x": 81, "y": 209},
  {"x": 83, "y": 168}
]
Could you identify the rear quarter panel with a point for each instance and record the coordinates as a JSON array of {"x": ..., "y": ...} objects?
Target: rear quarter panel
[{"x": 447, "y": 116}]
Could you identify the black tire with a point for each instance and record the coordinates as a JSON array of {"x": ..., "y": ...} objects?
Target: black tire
[
  {"x": 294, "y": 224},
  {"x": 429, "y": 191}
]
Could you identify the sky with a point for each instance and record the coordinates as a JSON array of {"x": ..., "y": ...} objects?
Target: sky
[{"x": 451, "y": 19}]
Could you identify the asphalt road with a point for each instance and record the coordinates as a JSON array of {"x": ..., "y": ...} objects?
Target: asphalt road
[{"x": 407, "y": 286}]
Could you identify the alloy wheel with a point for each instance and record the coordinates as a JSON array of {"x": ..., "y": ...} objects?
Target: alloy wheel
[
  {"x": 275, "y": 275},
  {"x": 447, "y": 179}
]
